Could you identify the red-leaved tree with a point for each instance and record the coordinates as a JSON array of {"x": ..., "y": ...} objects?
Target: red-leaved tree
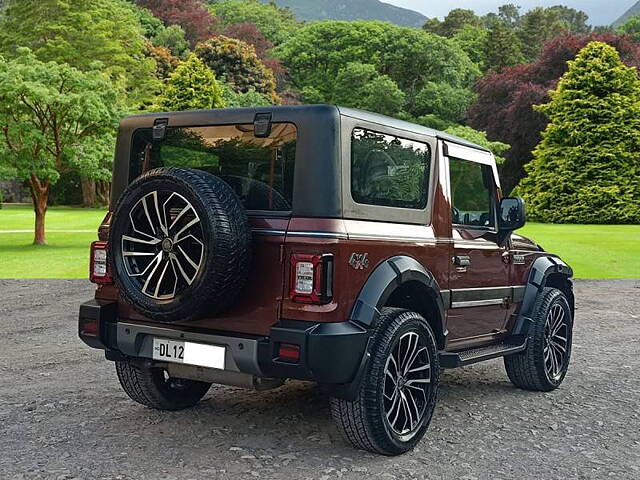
[
  {"x": 191, "y": 15},
  {"x": 505, "y": 100}
]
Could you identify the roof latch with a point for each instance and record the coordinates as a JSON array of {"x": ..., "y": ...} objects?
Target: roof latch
[
  {"x": 160, "y": 129},
  {"x": 262, "y": 125}
]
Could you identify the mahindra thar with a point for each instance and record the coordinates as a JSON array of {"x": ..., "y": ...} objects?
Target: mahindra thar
[{"x": 249, "y": 246}]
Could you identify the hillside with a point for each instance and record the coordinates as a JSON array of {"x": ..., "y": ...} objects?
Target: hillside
[
  {"x": 635, "y": 10},
  {"x": 353, "y": 10}
]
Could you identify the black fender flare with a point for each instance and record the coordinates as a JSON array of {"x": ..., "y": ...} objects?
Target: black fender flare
[
  {"x": 385, "y": 279},
  {"x": 382, "y": 282},
  {"x": 541, "y": 270}
]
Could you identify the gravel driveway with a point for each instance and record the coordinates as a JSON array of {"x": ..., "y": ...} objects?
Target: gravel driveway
[{"x": 63, "y": 415}]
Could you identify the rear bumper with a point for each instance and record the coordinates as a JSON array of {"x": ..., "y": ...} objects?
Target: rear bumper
[{"x": 330, "y": 353}]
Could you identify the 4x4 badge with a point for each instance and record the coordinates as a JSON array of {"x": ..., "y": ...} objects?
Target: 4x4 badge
[{"x": 359, "y": 261}]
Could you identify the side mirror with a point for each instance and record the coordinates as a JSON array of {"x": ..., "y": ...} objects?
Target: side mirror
[{"x": 511, "y": 216}]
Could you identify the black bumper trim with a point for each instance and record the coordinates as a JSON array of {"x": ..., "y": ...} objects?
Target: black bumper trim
[
  {"x": 103, "y": 313},
  {"x": 135, "y": 340},
  {"x": 330, "y": 353}
]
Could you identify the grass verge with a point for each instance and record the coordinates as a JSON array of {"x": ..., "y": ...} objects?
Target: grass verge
[{"x": 594, "y": 251}]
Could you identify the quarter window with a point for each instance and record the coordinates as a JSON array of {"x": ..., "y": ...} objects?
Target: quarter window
[
  {"x": 472, "y": 191},
  {"x": 388, "y": 170}
]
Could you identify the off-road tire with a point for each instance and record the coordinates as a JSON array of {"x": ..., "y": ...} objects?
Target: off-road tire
[
  {"x": 149, "y": 386},
  {"x": 363, "y": 421},
  {"x": 226, "y": 238},
  {"x": 527, "y": 369}
]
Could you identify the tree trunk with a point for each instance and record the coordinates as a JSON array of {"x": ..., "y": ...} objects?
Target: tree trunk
[
  {"x": 88, "y": 186},
  {"x": 103, "y": 191},
  {"x": 41, "y": 211},
  {"x": 40, "y": 197}
]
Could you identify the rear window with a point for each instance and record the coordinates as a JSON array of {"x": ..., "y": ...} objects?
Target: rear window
[{"x": 260, "y": 170}]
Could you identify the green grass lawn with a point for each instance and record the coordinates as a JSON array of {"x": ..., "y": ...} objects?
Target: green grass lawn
[
  {"x": 594, "y": 251},
  {"x": 69, "y": 233}
]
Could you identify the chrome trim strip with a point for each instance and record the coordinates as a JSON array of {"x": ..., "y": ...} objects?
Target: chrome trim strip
[
  {"x": 477, "y": 303},
  {"x": 345, "y": 236},
  {"x": 397, "y": 238},
  {"x": 317, "y": 234},
  {"x": 373, "y": 236},
  {"x": 483, "y": 296},
  {"x": 266, "y": 231},
  {"x": 476, "y": 245}
]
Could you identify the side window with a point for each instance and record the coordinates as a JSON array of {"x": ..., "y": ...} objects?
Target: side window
[
  {"x": 472, "y": 191},
  {"x": 388, "y": 170}
]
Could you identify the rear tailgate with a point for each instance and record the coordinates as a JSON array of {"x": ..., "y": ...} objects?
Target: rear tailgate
[{"x": 258, "y": 306}]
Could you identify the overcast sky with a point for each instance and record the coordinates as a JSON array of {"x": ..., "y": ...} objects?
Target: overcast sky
[{"x": 601, "y": 12}]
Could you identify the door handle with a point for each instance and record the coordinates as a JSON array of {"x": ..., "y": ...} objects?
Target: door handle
[{"x": 462, "y": 260}]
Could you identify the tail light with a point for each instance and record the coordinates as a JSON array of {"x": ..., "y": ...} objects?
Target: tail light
[
  {"x": 311, "y": 278},
  {"x": 99, "y": 266}
]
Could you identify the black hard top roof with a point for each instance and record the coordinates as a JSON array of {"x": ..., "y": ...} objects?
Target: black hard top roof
[
  {"x": 404, "y": 125},
  {"x": 280, "y": 112}
]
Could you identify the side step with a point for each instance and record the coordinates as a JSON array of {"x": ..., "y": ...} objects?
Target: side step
[{"x": 514, "y": 344}]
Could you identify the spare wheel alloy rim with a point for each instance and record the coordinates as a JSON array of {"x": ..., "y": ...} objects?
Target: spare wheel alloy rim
[{"x": 163, "y": 247}]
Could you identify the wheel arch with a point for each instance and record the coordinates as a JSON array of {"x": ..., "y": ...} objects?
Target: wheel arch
[
  {"x": 547, "y": 271},
  {"x": 402, "y": 282}
]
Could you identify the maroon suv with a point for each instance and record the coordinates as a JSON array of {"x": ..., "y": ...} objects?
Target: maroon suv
[{"x": 249, "y": 246}]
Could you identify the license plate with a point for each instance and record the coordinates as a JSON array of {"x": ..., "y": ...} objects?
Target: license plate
[{"x": 176, "y": 351}]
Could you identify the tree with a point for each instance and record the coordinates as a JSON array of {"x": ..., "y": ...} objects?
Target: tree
[
  {"x": 537, "y": 27},
  {"x": 173, "y": 38},
  {"x": 510, "y": 15},
  {"x": 574, "y": 20},
  {"x": 446, "y": 102},
  {"x": 632, "y": 28},
  {"x": 409, "y": 57},
  {"x": 473, "y": 42},
  {"x": 249, "y": 33},
  {"x": 166, "y": 63},
  {"x": 456, "y": 20},
  {"x": 192, "y": 86},
  {"x": 413, "y": 58},
  {"x": 276, "y": 24},
  {"x": 251, "y": 98},
  {"x": 53, "y": 119},
  {"x": 502, "y": 49},
  {"x": 504, "y": 107},
  {"x": 150, "y": 24},
  {"x": 369, "y": 90},
  {"x": 586, "y": 169},
  {"x": 191, "y": 15},
  {"x": 80, "y": 33},
  {"x": 236, "y": 63}
]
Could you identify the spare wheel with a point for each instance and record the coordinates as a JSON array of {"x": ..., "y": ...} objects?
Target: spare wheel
[{"x": 179, "y": 244}]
